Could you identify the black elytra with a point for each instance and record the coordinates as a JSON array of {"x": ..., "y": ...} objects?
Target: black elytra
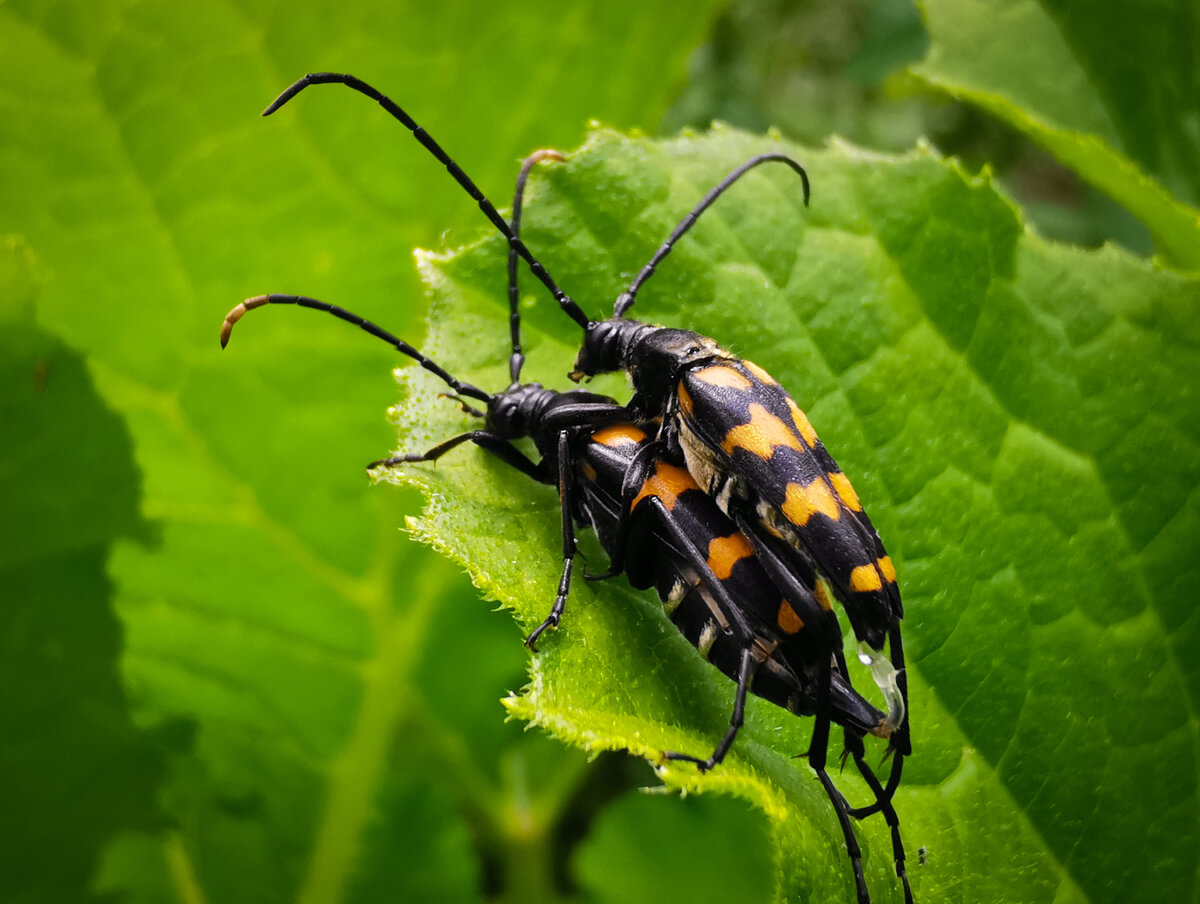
[
  {"x": 675, "y": 539},
  {"x": 740, "y": 433},
  {"x": 742, "y": 437}
]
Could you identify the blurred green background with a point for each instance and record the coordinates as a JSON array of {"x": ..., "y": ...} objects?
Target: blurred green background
[{"x": 225, "y": 673}]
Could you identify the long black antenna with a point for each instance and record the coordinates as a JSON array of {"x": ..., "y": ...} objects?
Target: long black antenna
[
  {"x": 460, "y": 387},
  {"x": 489, "y": 210},
  {"x": 625, "y": 299},
  {"x": 514, "y": 294}
]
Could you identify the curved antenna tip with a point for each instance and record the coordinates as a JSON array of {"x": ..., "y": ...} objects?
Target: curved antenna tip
[
  {"x": 292, "y": 90},
  {"x": 238, "y": 312},
  {"x": 545, "y": 154},
  {"x": 278, "y": 102}
]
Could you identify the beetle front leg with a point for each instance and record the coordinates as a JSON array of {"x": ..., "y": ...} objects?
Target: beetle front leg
[{"x": 569, "y": 548}]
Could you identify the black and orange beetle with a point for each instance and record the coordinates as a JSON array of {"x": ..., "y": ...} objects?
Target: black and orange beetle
[{"x": 744, "y": 441}]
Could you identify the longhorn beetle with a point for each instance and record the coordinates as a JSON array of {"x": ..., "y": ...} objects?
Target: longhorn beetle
[
  {"x": 797, "y": 509},
  {"x": 897, "y": 697},
  {"x": 674, "y": 538},
  {"x": 743, "y": 438}
]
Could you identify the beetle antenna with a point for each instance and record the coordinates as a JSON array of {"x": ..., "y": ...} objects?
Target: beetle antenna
[
  {"x": 459, "y": 386},
  {"x": 514, "y": 295},
  {"x": 626, "y": 299},
  {"x": 489, "y": 210}
]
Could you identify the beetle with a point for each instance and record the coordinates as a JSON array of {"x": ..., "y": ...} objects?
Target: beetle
[
  {"x": 742, "y": 436},
  {"x": 750, "y": 446},
  {"x": 772, "y": 642}
]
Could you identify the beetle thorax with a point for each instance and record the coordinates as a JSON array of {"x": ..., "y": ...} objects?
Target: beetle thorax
[
  {"x": 659, "y": 359},
  {"x": 608, "y": 345},
  {"x": 517, "y": 412}
]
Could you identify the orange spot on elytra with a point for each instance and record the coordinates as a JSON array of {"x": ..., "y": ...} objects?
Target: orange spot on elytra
[
  {"x": 721, "y": 375},
  {"x": 668, "y": 482},
  {"x": 841, "y": 485},
  {"x": 759, "y": 372},
  {"x": 619, "y": 435},
  {"x": 788, "y": 620},
  {"x": 800, "y": 419},
  {"x": 805, "y": 500},
  {"x": 888, "y": 569},
  {"x": 866, "y": 578},
  {"x": 762, "y": 435},
  {"x": 685, "y": 401},
  {"x": 725, "y": 552}
]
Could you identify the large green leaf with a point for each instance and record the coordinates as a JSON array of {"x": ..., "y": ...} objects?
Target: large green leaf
[
  {"x": 1018, "y": 417},
  {"x": 646, "y": 830},
  {"x": 1111, "y": 88},
  {"x": 325, "y": 747},
  {"x": 70, "y": 754}
]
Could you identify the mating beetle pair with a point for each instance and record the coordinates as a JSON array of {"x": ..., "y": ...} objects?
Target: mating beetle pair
[{"x": 782, "y": 532}]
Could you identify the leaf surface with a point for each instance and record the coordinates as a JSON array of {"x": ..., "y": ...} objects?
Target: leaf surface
[
  {"x": 1110, "y": 88},
  {"x": 997, "y": 400},
  {"x": 71, "y": 754},
  {"x": 278, "y": 623}
]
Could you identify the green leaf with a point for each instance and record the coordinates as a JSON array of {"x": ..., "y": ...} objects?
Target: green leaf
[
  {"x": 71, "y": 755},
  {"x": 279, "y": 623},
  {"x": 1014, "y": 415},
  {"x": 656, "y": 840},
  {"x": 1109, "y": 88}
]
